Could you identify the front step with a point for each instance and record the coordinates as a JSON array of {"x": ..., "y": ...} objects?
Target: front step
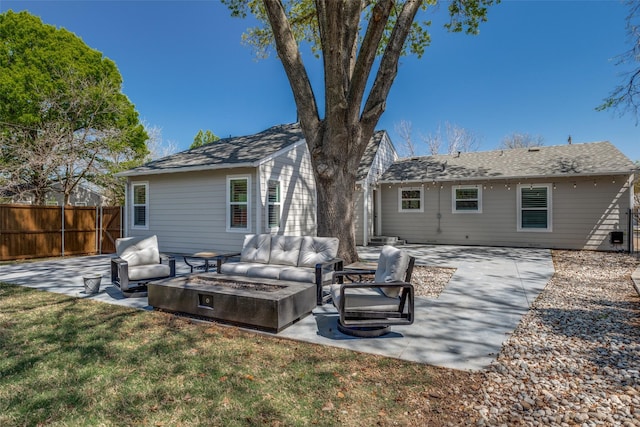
[{"x": 386, "y": 240}]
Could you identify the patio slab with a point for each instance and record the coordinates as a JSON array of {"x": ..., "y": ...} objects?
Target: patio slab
[{"x": 464, "y": 328}]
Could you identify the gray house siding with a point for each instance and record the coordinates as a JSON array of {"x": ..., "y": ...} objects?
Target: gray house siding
[
  {"x": 188, "y": 210},
  {"x": 581, "y": 217},
  {"x": 382, "y": 155},
  {"x": 294, "y": 172}
]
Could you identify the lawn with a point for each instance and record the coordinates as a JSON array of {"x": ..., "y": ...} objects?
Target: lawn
[{"x": 68, "y": 361}]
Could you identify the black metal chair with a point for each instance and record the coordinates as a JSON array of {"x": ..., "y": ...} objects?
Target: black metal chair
[{"x": 369, "y": 309}]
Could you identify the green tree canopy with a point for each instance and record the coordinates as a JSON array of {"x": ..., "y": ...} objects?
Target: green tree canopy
[
  {"x": 203, "y": 138},
  {"x": 63, "y": 116}
]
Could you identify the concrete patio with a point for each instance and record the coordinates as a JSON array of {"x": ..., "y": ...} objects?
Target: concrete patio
[{"x": 464, "y": 328}]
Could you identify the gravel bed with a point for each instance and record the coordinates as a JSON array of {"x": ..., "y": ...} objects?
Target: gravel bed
[
  {"x": 430, "y": 281},
  {"x": 574, "y": 359}
]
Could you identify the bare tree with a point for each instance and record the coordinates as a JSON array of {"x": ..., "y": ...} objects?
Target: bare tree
[
  {"x": 156, "y": 145},
  {"x": 403, "y": 129},
  {"x": 433, "y": 141},
  {"x": 521, "y": 140},
  {"x": 59, "y": 154},
  {"x": 457, "y": 138},
  {"x": 626, "y": 97},
  {"x": 460, "y": 139}
]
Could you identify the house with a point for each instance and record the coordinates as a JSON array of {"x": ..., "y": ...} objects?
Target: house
[
  {"x": 568, "y": 196},
  {"x": 211, "y": 196},
  {"x": 85, "y": 194}
]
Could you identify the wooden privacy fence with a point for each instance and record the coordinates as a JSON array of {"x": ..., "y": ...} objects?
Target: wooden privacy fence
[{"x": 28, "y": 231}]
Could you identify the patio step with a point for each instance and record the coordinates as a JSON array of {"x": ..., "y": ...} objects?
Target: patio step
[{"x": 386, "y": 240}]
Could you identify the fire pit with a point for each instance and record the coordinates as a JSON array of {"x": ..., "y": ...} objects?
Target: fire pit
[{"x": 271, "y": 305}]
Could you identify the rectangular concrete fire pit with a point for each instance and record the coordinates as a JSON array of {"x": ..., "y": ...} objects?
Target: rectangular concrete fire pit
[{"x": 271, "y": 305}]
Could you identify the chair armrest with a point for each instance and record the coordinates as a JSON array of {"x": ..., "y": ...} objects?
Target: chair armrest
[
  {"x": 120, "y": 272},
  {"x": 171, "y": 260},
  {"x": 336, "y": 264},
  {"x": 222, "y": 258},
  {"x": 340, "y": 275}
]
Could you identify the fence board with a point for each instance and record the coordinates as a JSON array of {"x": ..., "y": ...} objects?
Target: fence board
[{"x": 37, "y": 231}]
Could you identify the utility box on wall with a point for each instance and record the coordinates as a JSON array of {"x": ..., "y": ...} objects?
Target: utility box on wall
[{"x": 617, "y": 237}]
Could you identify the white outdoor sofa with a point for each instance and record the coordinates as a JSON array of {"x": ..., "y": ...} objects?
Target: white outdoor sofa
[{"x": 306, "y": 259}]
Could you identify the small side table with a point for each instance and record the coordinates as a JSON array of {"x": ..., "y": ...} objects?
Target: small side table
[
  {"x": 360, "y": 269},
  {"x": 206, "y": 256}
]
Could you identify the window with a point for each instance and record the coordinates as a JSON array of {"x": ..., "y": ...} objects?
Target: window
[
  {"x": 467, "y": 199},
  {"x": 238, "y": 203},
  {"x": 140, "y": 204},
  {"x": 273, "y": 204},
  {"x": 410, "y": 199},
  {"x": 534, "y": 207}
]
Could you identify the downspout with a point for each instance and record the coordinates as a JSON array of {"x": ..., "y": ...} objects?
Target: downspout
[
  {"x": 378, "y": 217},
  {"x": 124, "y": 217},
  {"x": 365, "y": 216}
]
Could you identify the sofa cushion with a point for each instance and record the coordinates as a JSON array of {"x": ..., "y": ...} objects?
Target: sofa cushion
[
  {"x": 138, "y": 250},
  {"x": 256, "y": 248},
  {"x": 149, "y": 271},
  {"x": 238, "y": 268},
  {"x": 266, "y": 271},
  {"x": 370, "y": 299},
  {"x": 392, "y": 267},
  {"x": 317, "y": 250},
  {"x": 304, "y": 274},
  {"x": 285, "y": 250}
]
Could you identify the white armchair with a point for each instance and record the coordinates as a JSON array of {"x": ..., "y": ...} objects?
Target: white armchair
[{"x": 139, "y": 261}]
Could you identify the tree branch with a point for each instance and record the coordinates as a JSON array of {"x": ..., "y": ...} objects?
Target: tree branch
[
  {"x": 287, "y": 49},
  {"x": 376, "y": 102}
]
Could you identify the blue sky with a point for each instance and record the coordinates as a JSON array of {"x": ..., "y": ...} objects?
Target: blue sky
[{"x": 537, "y": 67}]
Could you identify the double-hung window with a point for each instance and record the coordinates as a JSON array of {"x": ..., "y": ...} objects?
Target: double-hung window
[
  {"x": 410, "y": 199},
  {"x": 140, "y": 205},
  {"x": 273, "y": 204},
  {"x": 238, "y": 189},
  {"x": 467, "y": 199},
  {"x": 534, "y": 207}
]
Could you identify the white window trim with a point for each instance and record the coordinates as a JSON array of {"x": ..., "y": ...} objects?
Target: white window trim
[
  {"x": 462, "y": 187},
  {"x": 146, "y": 205},
  {"x": 549, "y": 228},
  {"x": 278, "y": 203},
  {"x": 228, "y": 204},
  {"x": 420, "y": 189}
]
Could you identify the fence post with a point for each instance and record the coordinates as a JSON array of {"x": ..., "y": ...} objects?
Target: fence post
[
  {"x": 62, "y": 229},
  {"x": 100, "y": 212}
]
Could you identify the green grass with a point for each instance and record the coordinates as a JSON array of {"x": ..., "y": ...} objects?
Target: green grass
[{"x": 67, "y": 361}]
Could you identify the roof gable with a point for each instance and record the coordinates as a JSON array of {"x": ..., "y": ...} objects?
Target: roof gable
[{"x": 590, "y": 159}]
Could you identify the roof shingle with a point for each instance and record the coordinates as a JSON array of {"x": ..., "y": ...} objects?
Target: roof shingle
[{"x": 598, "y": 158}]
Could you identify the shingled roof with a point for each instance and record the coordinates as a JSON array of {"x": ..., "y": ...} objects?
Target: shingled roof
[
  {"x": 241, "y": 151},
  {"x": 571, "y": 160}
]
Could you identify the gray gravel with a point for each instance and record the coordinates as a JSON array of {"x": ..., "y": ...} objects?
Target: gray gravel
[{"x": 574, "y": 359}]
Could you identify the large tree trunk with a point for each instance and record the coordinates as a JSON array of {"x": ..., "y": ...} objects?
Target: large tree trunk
[
  {"x": 336, "y": 158},
  {"x": 338, "y": 141}
]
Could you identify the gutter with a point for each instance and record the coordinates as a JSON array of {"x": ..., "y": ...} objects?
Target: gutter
[{"x": 507, "y": 178}]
